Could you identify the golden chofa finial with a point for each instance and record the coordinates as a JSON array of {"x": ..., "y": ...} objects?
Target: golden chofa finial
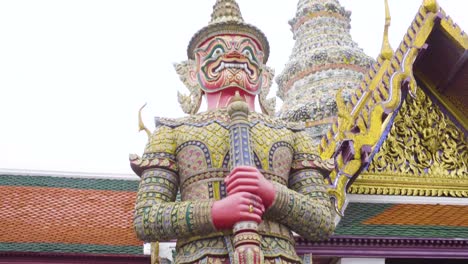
[
  {"x": 431, "y": 5},
  {"x": 387, "y": 52}
]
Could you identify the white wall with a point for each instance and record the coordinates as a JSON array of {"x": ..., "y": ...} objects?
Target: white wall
[{"x": 362, "y": 261}]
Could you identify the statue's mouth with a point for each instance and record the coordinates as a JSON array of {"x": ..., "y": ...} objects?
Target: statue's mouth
[
  {"x": 227, "y": 72},
  {"x": 234, "y": 65}
]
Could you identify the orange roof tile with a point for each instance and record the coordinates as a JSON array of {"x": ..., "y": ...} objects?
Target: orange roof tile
[
  {"x": 60, "y": 215},
  {"x": 422, "y": 215}
]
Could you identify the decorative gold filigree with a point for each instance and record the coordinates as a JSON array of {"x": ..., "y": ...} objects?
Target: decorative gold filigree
[
  {"x": 424, "y": 155},
  {"x": 410, "y": 185},
  {"x": 423, "y": 141}
]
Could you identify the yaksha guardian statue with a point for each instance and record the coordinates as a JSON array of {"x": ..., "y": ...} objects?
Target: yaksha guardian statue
[{"x": 247, "y": 180}]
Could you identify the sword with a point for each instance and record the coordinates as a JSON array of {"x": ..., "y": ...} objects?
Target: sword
[{"x": 246, "y": 239}]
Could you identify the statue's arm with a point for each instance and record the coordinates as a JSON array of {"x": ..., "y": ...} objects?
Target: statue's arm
[
  {"x": 158, "y": 216},
  {"x": 304, "y": 205}
]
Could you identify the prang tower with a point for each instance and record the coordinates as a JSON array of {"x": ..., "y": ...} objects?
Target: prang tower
[{"x": 324, "y": 60}]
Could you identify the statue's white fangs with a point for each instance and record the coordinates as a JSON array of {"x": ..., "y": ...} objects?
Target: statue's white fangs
[{"x": 234, "y": 65}]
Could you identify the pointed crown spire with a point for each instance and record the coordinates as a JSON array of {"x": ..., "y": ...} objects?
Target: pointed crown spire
[
  {"x": 227, "y": 19},
  {"x": 226, "y": 10}
]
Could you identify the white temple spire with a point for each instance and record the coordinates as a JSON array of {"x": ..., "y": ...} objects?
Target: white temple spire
[{"x": 324, "y": 59}]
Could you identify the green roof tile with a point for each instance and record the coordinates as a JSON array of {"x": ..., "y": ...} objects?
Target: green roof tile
[
  {"x": 71, "y": 248},
  {"x": 71, "y": 183},
  {"x": 357, "y": 213}
]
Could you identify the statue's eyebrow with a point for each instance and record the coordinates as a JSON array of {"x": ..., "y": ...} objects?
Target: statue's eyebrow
[
  {"x": 221, "y": 40},
  {"x": 212, "y": 40},
  {"x": 250, "y": 42}
]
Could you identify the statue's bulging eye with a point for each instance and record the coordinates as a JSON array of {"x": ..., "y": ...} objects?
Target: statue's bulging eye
[
  {"x": 248, "y": 54},
  {"x": 217, "y": 53}
]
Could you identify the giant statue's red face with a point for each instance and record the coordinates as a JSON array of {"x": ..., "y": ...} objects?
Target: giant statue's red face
[{"x": 229, "y": 63}]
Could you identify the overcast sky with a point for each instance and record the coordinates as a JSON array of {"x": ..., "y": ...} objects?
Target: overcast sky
[{"x": 73, "y": 74}]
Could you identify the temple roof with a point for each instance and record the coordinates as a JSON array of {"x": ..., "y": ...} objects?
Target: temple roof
[
  {"x": 426, "y": 151},
  {"x": 67, "y": 215},
  {"x": 94, "y": 216},
  {"x": 405, "y": 220},
  {"x": 396, "y": 231},
  {"x": 407, "y": 88}
]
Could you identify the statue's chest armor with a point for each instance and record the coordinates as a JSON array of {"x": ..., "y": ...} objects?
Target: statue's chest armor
[{"x": 203, "y": 155}]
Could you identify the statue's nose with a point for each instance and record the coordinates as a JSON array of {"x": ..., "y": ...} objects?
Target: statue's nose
[{"x": 234, "y": 55}]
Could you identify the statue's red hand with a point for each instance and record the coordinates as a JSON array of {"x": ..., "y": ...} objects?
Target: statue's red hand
[
  {"x": 250, "y": 179},
  {"x": 237, "y": 208}
]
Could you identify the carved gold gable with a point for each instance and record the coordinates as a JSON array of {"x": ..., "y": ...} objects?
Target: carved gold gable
[{"x": 425, "y": 154}]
